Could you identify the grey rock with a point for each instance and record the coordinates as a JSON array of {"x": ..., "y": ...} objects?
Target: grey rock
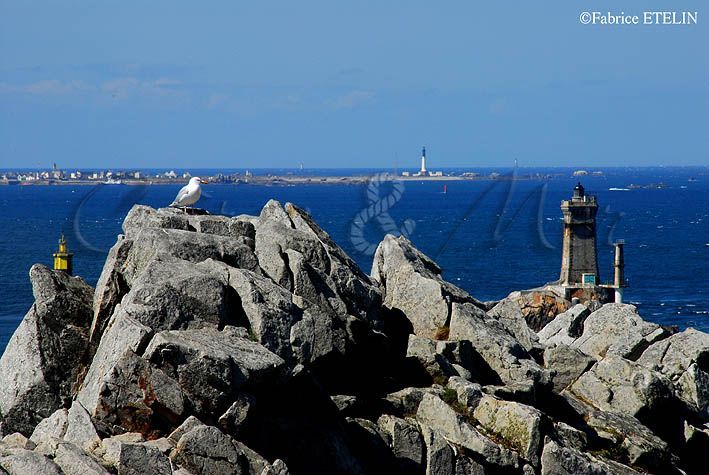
[
  {"x": 570, "y": 436},
  {"x": 189, "y": 246},
  {"x": 141, "y": 217},
  {"x": 253, "y": 361},
  {"x": 236, "y": 227},
  {"x": 137, "y": 458},
  {"x": 73, "y": 461},
  {"x": 440, "y": 457},
  {"x": 80, "y": 430},
  {"x": 617, "y": 329},
  {"x": 274, "y": 235},
  {"x": 123, "y": 335},
  {"x": 278, "y": 467},
  {"x": 516, "y": 425},
  {"x": 406, "y": 440},
  {"x": 336, "y": 276},
  {"x": 187, "y": 425},
  {"x": 110, "y": 448},
  {"x": 53, "y": 426},
  {"x": 317, "y": 336},
  {"x": 425, "y": 351},
  {"x": 313, "y": 288},
  {"x": 163, "y": 444},
  {"x": 406, "y": 401},
  {"x": 414, "y": 286},
  {"x": 267, "y": 308},
  {"x": 695, "y": 435},
  {"x": 509, "y": 313},
  {"x": 683, "y": 358},
  {"x": 616, "y": 384},
  {"x": 235, "y": 420},
  {"x": 566, "y": 365},
  {"x": 344, "y": 401},
  {"x": 566, "y": 327},
  {"x": 172, "y": 294},
  {"x": 558, "y": 460},
  {"x": 469, "y": 394},
  {"x": 137, "y": 396},
  {"x": 48, "y": 446},
  {"x": 524, "y": 392},
  {"x": 437, "y": 415},
  {"x": 500, "y": 351},
  {"x": 205, "y": 450},
  {"x": 641, "y": 446},
  {"x": 166, "y": 235},
  {"x": 19, "y": 441},
  {"x": 43, "y": 358},
  {"x": 359, "y": 293},
  {"x": 23, "y": 462},
  {"x": 466, "y": 466},
  {"x": 210, "y": 365},
  {"x": 110, "y": 288},
  {"x": 460, "y": 358}
]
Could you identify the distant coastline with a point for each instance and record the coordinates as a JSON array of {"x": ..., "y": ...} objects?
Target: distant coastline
[{"x": 265, "y": 180}]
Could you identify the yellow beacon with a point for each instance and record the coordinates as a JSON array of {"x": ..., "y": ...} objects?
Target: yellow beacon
[{"x": 62, "y": 258}]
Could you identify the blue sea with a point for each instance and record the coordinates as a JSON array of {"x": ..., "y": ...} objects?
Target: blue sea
[{"x": 490, "y": 236}]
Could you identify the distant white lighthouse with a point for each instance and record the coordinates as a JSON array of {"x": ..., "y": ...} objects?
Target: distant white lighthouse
[{"x": 423, "y": 162}]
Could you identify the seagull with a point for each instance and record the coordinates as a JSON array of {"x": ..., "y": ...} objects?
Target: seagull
[{"x": 189, "y": 194}]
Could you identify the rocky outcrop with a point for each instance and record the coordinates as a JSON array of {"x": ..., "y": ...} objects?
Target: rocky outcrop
[
  {"x": 413, "y": 285},
  {"x": 618, "y": 385},
  {"x": 684, "y": 359},
  {"x": 255, "y": 345},
  {"x": 43, "y": 358},
  {"x": 617, "y": 329}
]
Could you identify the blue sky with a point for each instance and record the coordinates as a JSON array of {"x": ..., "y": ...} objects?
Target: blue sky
[{"x": 349, "y": 84}]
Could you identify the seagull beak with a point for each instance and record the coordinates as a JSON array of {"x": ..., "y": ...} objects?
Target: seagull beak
[{"x": 204, "y": 182}]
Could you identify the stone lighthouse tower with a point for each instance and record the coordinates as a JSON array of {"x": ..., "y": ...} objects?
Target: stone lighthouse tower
[{"x": 579, "y": 263}]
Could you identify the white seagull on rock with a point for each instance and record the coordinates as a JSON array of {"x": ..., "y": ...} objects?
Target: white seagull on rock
[{"x": 189, "y": 194}]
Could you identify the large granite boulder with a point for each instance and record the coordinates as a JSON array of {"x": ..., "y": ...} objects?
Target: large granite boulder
[
  {"x": 566, "y": 365},
  {"x": 44, "y": 357},
  {"x": 267, "y": 309},
  {"x": 501, "y": 355},
  {"x": 559, "y": 460},
  {"x": 198, "y": 370},
  {"x": 320, "y": 270},
  {"x": 619, "y": 385},
  {"x": 413, "y": 285},
  {"x": 165, "y": 235},
  {"x": 516, "y": 425},
  {"x": 627, "y": 436},
  {"x": 440, "y": 417},
  {"x": 16, "y": 461},
  {"x": 684, "y": 359},
  {"x": 566, "y": 327},
  {"x": 510, "y": 315},
  {"x": 617, "y": 329},
  {"x": 405, "y": 440}
]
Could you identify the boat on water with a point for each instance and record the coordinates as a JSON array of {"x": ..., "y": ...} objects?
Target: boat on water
[
  {"x": 111, "y": 181},
  {"x": 618, "y": 189}
]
